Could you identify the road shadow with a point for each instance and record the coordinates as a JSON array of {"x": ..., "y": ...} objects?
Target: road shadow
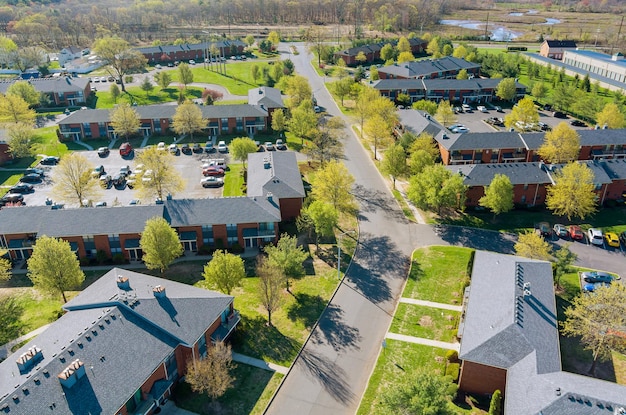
[
  {"x": 331, "y": 376},
  {"x": 306, "y": 309},
  {"x": 334, "y": 331},
  {"x": 475, "y": 238},
  {"x": 372, "y": 200},
  {"x": 254, "y": 337}
]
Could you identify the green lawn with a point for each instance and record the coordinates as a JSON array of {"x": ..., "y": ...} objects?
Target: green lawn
[
  {"x": 233, "y": 181},
  {"x": 426, "y": 322},
  {"x": 439, "y": 274},
  {"x": 139, "y": 96},
  {"x": 250, "y": 393},
  {"x": 408, "y": 213}
]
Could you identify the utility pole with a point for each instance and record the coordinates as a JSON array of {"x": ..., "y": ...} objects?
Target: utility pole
[
  {"x": 487, "y": 28},
  {"x": 619, "y": 32}
]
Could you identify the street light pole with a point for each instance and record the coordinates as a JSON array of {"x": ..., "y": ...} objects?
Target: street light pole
[{"x": 339, "y": 252}]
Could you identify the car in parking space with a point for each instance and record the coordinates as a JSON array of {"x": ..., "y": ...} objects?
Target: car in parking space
[
  {"x": 576, "y": 233},
  {"x": 458, "y": 110},
  {"x": 134, "y": 202},
  {"x": 498, "y": 108},
  {"x": 196, "y": 148},
  {"x": 221, "y": 147},
  {"x": 34, "y": 170},
  {"x": 596, "y": 237},
  {"x": 589, "y": 288},
  {"x": 103, "y": 151},
  {"x": 577, "y": 123},
  {"x": 173, "y": 148},
  {"x": 49, "y": 161},
  {"x": 212, "y": 181},
  {"x": 459, "y": 129},
  {"x": 559, "y": 114},
  {"x": 161, "y": 146},
  {"x": 208, "y": 147},
  {"x": 22, "y": 188},
  {"x": 125, "y": 171},
  {"x": 98, "y": 171},
  {"x": 101, "y": 204},
  {"x": 192, "y": 62},
  {"x": 612, "y": 239},
  {"x": 103, "y": 79},
  {"x": 126, "y": 149},
  {"x": 269, "y": 146},
  {"x": 280, "y": 144},
  {"x": 31, "y": 178},
  {"x": 482, "y": 108},
  {"x": 543, "y": 126},
  {"x": 119, "y": 181},
  {"x": 105, "y": 181},
  {"x": 11, "y": 198},
  {"x": 560, "y": 231},
  {"x": 466, "y": 108},
  {"x": 185, "y": 149},
  {"x": 213, "y": 171},
  {"x": 597, "y": 276},
  {"x": 317, "y": 109},
  {"x": 544, "y": 229},
  {"x": 157, "y": 66}
]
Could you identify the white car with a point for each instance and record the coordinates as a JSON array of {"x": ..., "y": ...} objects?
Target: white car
[
  {"x": 595, "y": 236},
  {"x": 221, "y": 147},
  {"x": 161, "y": 146},
  {"x": 482, "y": 108},
  {"x": 466, "y": 107},
  {"x": 192, "y": 62}
]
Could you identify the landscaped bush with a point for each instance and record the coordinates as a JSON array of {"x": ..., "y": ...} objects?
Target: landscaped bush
[
  {"x": 206, "y": 250},
  {"x": 453, "y": 371},
  {"x": 235, "y": 248},
  {"x": 452, "y": 356},
  {"x": 119, "y": 259},
  {"x": 84, "y": 262}
]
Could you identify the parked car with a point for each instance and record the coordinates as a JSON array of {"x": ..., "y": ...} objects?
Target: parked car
[
  {"x": 466, "y": 108},
  {"x": 543, "y": 126},
  {"x": 612, "y": 239},
  {"x": 595, "y": 236},
  {"x": 221, "y": 147},
  {"x": 460, "y": 129},
  {"x": 578, "y": 123},
  {"x": 269, "y": 146},
  {"x": 559, "y": 114},
  {"x": 560, "y": 231},
  {"x": 125, "y": 171},
  {"x": 281, "y": 145},
  {"x": 622, "y": 237},
  {"x": 589, "y": 288},
  {"x": 105, "y": 181},
  {"x": 213, "y": 171},
  {"x": 31, "y": 178},
  {"x": 192, "y": 62},
  {"x": 161, "y": 146},
  {"x": 134, "y": 202},
  {"x": 157, "y": 66},
  {"x": 50, "y": 161},
  {"x": 544, "y": 229},
  {"x": 458, "y": 110},
  {"x": 576, "y": 233},
  {"x": 173, "y": 148},
  {"x": 212, "y": 181},
  {"x": 317, "y": 109},
  {"x": 98, "y": 171},
  {"x": 482, "y": 108},
  {"x": 103, "y": 151},
  {"x": 34, "y": 170},
  {"x": 597, "y": 276},
  {"x": 11, "y": 198},
  {"x": 185, "y": 149},
  {"x": 126, "y": 149},
  {"x": 498, "y": 108},
  {"x": 208, "y": 147},
  {"x": 22, "y": 188},
  {"x": 196, "y": 148},
  {"x": 101, "y": 204},
  {"x": 119, "y": 180}
]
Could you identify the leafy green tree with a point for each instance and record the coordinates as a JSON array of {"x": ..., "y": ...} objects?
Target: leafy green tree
[
  {"x": 146, "y": 86},
  {"x": 437, "y": 188},
  {"x": 387, "y": 52},
  {"x": 185, "y": 76},
  {"x": 561, "y": 145},
  {"x": 73, "y": 182},
  {"x": 298, "y": 89},
  {"x": 404, "y": 57},
  {"x": 254, "y": 71},
  {"x": 364, "y": 106},
  {"x": 564, "y": 258},
  {"x": 287, "y": 257},
  {"x": 249, "y": 40},
  {"x": 523, "y": 116},
  {"x": 115, "y": 92},
  {"x": 419, "y": 160},
  {"x": 212, "y": 375},
  {"x": 447, "y": 49},
  {"x": 426, "y": 105},
  {"x": 598, "y": 320},
  {"x": 302, "y": 122},
  {"x": 124, "y": 120},
  {"x": 374, "y": 75},
  {"x": 403, "y": 45},
  {"x": 270, "y": 290},
  {"x": 378, "y": 130},
  {"x": 164, "y": 178},
  {"x": 460, "y": 52},
  {"x": 342, "y": 88},
  {"x": 532, "y": 245},
  {"x": 611, "y": 116},
  {"x": 563, "y": 96},
  {"x": 498, "y": 195},
  {"x": 462, "y": 74},
  {"x": 5, "y": 267},
  {"x": 224, "y": 272},
  {"x": 188, "y": 118},
  {"x": 333, "y": 184},
  {"x": 53, "y": 267},
  {"x": 163, "y": 79},
  {"x": 274, "y": 37},
  {"x": 586, "y": 83},
  {"x": 121, "y": 58},
  {"x": 426, "y": 142},
  {"x": 13, "y": 109},
  {"x": 20, "y": 136},
  {"x": 240, "y": 148},
  {"x": 540, "y": 90},
  {"x": 394, "y": 162},
  {"x": 160, "y": 244},
  {"x": 26, "y": 91},
  {"x": 361, "y": 57},
  {"x": 445, "y": 114},
  {"x": 573, "y": 194},
  {"x": 279, "y": 122},
  {"x": 506, "y": 89},
  {"x": 419, "y": 393},
  {"x": 324, "y": 217},
  {"x": 11, "y": 311},
  {"x": 495, "y": 406}
]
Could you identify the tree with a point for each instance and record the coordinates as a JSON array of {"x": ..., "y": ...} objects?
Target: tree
[
  {"x": 523, "y": 116},
  {"x": 363, "y": 106},
  {"x": 287, "y": 257},
  {"x": 564, "y": 258},
  {"x": 274, "y": 37},
  {"x": 611, "y": 116},
  {"x": 425, "y": 105},
  {"x": 241, "y": 147},
  {"x": 561, "y": 145},
  {"x": 163, "y": 79},
  {"x": 265, "y": 46},
  {"x": 53, "y": 267},
  {"x": 599, "y": 321},
  {"x": 394, "y": 162},
  {"x": 165, "y": 178},
  {"x": 121, "y": 58},
  {"x": 212, "y": 375},
  {"x": 445, "y": 114},
  {"x": 185, "y": 76},
  {"x": 298, "y": 89},
  {"x": 378, "y": 130},
  {"x": 147, "y": 86},
  {"x": 325, "y": 143},
  {"x": 460, "y": 52},
  {"x": 160, "y": 244},
  {"x": 426, "y": 142},
  {"x": 28, "y": 57},
  {"x": 333, "y": 184},
  {"x": 540, "y": 90},
  {"x": 224, "y": 272},
  {"x": 506, "y": 89},
  {"x": 7, "y": 49},
  {"x": 5, "y": 267},
  {"x": 73, "y": 182},
  {"x": 573, "y": 194},
  {"x": 11, "y": 311},
  {"x": 249, "y": 40},
  {"x": 403, "y": 45},
  {"x": 374, "y": 75},
  {"x": 302, "y": 122},
  {"x": 14, "y": 109},
  {"x": 20, "y": 136},
  {"x": 324, "y": 217},
  {"x": 279, "y": 123},
  {"x": 563, "y": 96},
  {"x": 532, "y": 245},
  {"x": 210, "y": 96},
  {"x": 404, "y": 57},
  {"x": 495, "y": 406},
  {"x": 498, "y": 195},
  {"x": 26, "y": 91},
  {"x": 419, "y": 160},
  {"x": 342, "y": 88},
  {"x": 420, "y": 393},
  {"x": 188, "y": 119},
  {"x": 462, "y": 74},
  {"x": 124, "y": 120},
  {"x": 270, "y": 286},
  {"x": 436, "y": 188},
  {"x": 254, "y": 71},
  {"x": 387, "y": 52},
  {"x": 360, "y": 57},
  {"x": 115, "y": 92}
]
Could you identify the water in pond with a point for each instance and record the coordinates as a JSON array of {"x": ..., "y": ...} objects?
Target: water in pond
[{"x": 498, "y": 34}]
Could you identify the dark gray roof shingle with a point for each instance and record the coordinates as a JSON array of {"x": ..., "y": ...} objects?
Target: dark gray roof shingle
[
  {"x": 220, "y": 211},
  {"x": 63, "y": 84},
  {"x": 266, "y": 96},
  {"x": 427, "y": 67},
  {"x": 518, "y": 173},
  {"x": 281, "y": 177}
]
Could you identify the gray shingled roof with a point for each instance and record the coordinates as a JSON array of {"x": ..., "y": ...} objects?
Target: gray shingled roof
[
  {"x": 615, "y": 169},
  {"x": 119, "y": 345},
  {"x": 561, "y": 43},
  {"x": 479, "y": 141},
  {"x": 281, "y": 177},
  {"x": 417, "y": 122},
  {"x": 518, "y": 173},
  {"x": 190, "y": 46},
  {"x": 266, "y": 96},
  {"x": 220, "y": 211},
  {"x": 600, "y": 175},
  {"x": 61, "y": 84},
  {"x": 426, "y": 67},
  {"x": 602, "y": 137}
]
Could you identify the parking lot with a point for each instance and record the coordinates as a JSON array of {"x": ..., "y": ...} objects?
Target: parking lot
[{"x": 189, "y": 166}]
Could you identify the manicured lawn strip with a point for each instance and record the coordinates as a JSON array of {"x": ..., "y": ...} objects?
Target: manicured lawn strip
[
  {"x": 45, "y": 141},
  {"x": 233, "y": 181},
  {"x": 250, "y": 393},
  {"x": 137, "y": 95},
  {"x": 439, "y": 274},
  {"x": 37, "y": 311},
  {"x": 426, "y": 322},
  {"x": 408, "y": 213}
]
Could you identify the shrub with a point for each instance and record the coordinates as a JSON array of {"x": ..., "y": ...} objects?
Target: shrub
[
  {"x": 101, "y": 256},
  {"x": 119, "y": 259},
  {"x": 453, "y": 371},
  {"x": 452, "y": 356},
  {"x": 84, "y": 262},
  {"x": 235, "y": 248},
  {"x": 206, "y": 250},
  {"x": 495, "y": 407}
]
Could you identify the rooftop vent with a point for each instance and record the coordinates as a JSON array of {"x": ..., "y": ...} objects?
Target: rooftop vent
[
  {"x": 123, "y": 282},
  {"x": 159, "y": 291},
  {"x": 270, "y": 196},
  {"x": 29, "y": 358},
  {"x": 266, "y": 163},
  {"x": 72, "y": 373}
]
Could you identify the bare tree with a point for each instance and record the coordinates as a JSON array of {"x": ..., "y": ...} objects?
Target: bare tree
[
  {"x": 212, "y": 375},
  {"x": 271, "y": 281}
]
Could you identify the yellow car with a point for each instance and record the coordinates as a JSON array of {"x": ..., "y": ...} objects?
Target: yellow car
[{"x": 612, "y": 239}]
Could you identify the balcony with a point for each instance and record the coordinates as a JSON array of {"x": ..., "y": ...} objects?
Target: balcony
[
  {"x": 597, "y": 154},
  {"x": 227, "y": 327},
  {"x": 511, "y": 157},
  {"x": 456, "y": 159}
]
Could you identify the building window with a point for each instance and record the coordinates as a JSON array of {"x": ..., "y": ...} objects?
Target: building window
[
  {"x": 171, "y": 367},
  {"x": 114, "y": 244},
  {"x": 225, "y": 124},
  {"x": 526, "y": 186},
  {"x": 202, "y": 346},
  {"x": 207, "y": 234},
  {"x": 231, "y": 233}
]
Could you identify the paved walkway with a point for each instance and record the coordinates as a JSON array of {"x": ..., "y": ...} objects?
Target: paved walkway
[
  {"x": 426, "y": 342},
  {"x": 87, "y": 146},
  {"x": 5, "y": 349},
  {"x": 261, "y": 364},
  {"x": 431, "y": 304}
]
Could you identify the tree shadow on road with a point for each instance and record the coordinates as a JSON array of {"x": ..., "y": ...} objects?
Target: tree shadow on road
[
  {"x": 331, "y": 376},
  {"x": 307, "y": 309},
  {"x": 334, "y": 331},
  {"x": 480, "y": 239},
  {"x": 372, "y": 200}
]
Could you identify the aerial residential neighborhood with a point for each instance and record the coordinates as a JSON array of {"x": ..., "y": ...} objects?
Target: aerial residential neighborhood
[{"x": 399, "y": 208}]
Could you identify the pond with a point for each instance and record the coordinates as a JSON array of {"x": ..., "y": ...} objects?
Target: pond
[{"x": 497, "y": 33}]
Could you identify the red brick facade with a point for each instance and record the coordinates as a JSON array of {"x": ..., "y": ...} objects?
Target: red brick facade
[{"x": 481, "y": 379}]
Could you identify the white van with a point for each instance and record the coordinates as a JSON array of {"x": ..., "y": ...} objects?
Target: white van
[{"x": 482, "y": 108}]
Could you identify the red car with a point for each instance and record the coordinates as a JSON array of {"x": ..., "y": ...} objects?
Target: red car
[
  {"x": 125, "y": 149},
  {"x": 213, "y": 171},
  {"x": 576, "y": 233}
]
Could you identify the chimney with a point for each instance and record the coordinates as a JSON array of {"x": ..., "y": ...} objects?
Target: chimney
[
  {"x": 270, "y": 196},
  {"x": 260, "y": 91},
  {"x": 266, "y": 163},
  {"x": 445, "y": 136},
  {"x": 29, "y": 358},
  {"x": 159, "y": 291},
  {"x": 72, "y": 373},
  {"x": 123, "y": 282}
]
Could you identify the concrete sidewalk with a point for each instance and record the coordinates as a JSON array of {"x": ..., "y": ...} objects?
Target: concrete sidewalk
[
  {"x": 426, "y": 342},
  {"x": 431, "y": 304},
  {"x": 259, "y": 363}
]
